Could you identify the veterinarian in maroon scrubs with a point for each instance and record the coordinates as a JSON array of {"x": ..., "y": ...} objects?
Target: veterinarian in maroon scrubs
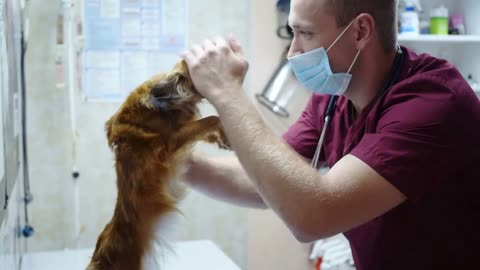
[{"x": 403, "y": 141}]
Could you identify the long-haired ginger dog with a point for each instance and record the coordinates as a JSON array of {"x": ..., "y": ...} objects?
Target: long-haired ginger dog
[{"x": 151, "y": 135}]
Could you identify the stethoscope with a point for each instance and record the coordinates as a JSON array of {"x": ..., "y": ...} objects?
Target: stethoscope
[
  {"x": 328, "y": 116},
  {"x": 397, "y": 67}
]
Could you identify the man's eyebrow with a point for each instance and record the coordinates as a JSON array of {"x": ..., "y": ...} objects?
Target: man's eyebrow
[{"x": 302, "y": 27}]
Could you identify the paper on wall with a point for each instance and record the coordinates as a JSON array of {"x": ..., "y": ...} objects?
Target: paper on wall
[
  {"x": 134, "y": 69},
  {"x": 173, "y": 17},
  {"x": 127, "y": 41},
  {"x": 159, "y": 62},
  {"x": 102, "y": 59},
  {"x": 110, "y": 8},
  {"x": 105, "y": 82}
]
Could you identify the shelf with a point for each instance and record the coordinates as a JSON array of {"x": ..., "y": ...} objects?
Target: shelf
[{"x": 440, "y": 38}]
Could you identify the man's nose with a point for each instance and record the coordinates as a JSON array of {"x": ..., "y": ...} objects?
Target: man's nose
[{"x": 294, "y": 49}]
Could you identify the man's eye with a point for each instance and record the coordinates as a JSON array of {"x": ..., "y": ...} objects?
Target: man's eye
[
  {"x": 303, "y": 34},
  {"x": 306, "y": 34}
]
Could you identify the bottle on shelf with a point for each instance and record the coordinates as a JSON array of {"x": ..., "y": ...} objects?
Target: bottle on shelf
[
  {"x": 439, "y": 21},
  {"x": 409, "y": 19}
]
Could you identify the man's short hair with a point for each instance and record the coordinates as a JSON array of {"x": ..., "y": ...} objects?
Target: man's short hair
[{"x": 383, "y": 11}]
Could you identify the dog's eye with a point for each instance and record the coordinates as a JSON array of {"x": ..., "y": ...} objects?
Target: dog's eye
[
  {"x": 164, "y": 94},
  {"x": 163, "y": 88},
  {"x": 162, "y": 103}
]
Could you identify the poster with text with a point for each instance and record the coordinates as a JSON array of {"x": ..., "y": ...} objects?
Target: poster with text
[{"x": 128, "y": 41}]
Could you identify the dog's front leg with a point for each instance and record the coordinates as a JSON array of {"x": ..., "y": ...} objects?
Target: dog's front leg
[{"x": 207, "y": 129}]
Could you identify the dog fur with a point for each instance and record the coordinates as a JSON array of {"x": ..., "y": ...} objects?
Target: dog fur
[{"x": 151, "y": 136}]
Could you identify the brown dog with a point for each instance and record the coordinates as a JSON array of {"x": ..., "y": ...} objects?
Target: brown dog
[{"x": 151, "y": 136}]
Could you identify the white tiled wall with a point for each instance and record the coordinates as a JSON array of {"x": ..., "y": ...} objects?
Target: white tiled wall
[{"x": 11, "y": 245}]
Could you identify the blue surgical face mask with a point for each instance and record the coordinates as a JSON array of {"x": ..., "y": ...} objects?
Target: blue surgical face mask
[{"x": 313, "y": 71}]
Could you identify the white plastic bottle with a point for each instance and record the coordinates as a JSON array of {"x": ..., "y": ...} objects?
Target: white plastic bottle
[{"x": 410, "y": 21}]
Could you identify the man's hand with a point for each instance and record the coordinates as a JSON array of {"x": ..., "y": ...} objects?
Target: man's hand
[{"x": 217, "y": 68}]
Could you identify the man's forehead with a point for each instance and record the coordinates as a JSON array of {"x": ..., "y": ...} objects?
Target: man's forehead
[
  {"x": 309, "y": 4},
  {"x": 308, "y": 13}
]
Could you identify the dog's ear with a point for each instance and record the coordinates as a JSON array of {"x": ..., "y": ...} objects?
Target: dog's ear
[
  {"x": 181, "y": 68},
  {"x": 108, "y": 131},
  {"x": 182, "y": 76}
]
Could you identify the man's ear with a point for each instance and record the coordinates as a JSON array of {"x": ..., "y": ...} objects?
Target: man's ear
[{"x": 365, "y": 27}]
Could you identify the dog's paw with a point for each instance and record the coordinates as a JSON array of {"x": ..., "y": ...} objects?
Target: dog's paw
[
  {"x": 223, "y": 143},
  {"x": 218, "y": 137}
]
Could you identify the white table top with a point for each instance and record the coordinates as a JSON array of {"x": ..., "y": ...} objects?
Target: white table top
[{"x": 198, "y": 255}]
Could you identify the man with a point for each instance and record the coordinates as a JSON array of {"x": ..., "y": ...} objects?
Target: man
[{"x": 402, "y": 145}]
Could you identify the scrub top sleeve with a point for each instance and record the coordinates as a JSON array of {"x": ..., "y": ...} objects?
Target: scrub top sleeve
[{"x": 303, "y": 135}]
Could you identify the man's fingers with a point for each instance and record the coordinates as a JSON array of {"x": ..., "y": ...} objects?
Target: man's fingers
[
  {"x": 191, "y": 56},
  {"x": 188, "y": 57},
  {"x": 209, "y": 46},
  {"x": 232, "y": 41},
  {"x": 198, "y": 51},
  {"x": 222, "y": 44}
]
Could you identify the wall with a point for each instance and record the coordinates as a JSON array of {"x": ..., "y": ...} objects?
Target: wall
[
  {"x": 50, "y": 145},
  {"x": 11, "y": 244}
]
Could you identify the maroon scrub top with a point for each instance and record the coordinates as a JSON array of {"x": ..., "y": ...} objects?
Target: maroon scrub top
[{"x": 423, "y": 136}]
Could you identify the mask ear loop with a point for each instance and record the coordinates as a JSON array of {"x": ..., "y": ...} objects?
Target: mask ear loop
[
  {"x": 354, "y": 61},
  {"x": 340, "y": 36}
]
